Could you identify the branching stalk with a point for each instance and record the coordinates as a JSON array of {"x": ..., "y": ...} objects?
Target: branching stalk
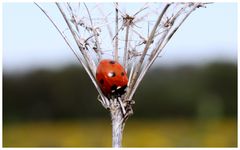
[
  {"x": 149, "y": 41},
  {"x": 120, "y": 107},
  {"x": 98, "y": 50},
  {"x": 82, "y": 49},
  {"x": 159, "y": 49},
  {"x": 103, "y": 98}
]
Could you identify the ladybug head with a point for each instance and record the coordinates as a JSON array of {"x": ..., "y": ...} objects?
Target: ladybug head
[{"x": 118, "y": 90}]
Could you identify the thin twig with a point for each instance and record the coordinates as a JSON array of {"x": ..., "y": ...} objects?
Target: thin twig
[
  {"x": 119, "y": 10},
  {"x": 131, "y": 70},
  {"x": 140, "y": 36},
  {"x": 116, "y": 33},
  {"x": 105, "y": 19},
  {"x": 141, "y": 9},
  {"x": 125, "y": 57},
  {"x": 136, "y": 20},
  {"x": 98, "y": 50},
  {"x": 73, "y": 16}
]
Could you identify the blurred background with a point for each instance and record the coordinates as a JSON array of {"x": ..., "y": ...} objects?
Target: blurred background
[{"x": 187, "y": 99}]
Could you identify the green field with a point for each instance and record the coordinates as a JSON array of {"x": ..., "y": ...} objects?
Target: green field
[{"x": 137, "y": 133}]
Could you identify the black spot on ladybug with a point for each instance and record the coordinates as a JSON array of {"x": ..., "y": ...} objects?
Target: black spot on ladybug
[
  {"x": 122, "y": 74},
  {"x": 111, "y": 74},
  {"x": 112, "y": 62},
  {"x": 113, "y": 88},
  {"x": 101, "y": 81}
]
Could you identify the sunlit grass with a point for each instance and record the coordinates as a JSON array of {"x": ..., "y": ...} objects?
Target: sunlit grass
[{"x": 138, "y": 133}]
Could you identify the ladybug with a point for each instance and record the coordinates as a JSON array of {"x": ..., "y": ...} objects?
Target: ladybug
[{"x": 111, "y": 78}]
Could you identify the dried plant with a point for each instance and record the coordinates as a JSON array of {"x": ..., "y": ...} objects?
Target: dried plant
[{"x": 134, "y": 40}]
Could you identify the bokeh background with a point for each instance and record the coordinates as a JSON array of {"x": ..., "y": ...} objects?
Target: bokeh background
[{"x": 187, "y": 99}]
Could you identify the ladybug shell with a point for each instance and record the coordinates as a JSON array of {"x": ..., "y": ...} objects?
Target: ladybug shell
[{"x": 111, "y": 77}]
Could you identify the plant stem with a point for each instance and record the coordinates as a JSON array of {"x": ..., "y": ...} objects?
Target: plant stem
[
  {"x": 116, "y": 32},
  {"x": 117, "y": 127},
  {"x": 125, "y": 58}
]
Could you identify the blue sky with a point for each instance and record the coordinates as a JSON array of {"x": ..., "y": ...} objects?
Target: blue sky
[{"x": 30, "y": 41}]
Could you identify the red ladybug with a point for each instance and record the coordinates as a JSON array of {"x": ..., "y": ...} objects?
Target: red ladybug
[{"x": 111, "y": 77}]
